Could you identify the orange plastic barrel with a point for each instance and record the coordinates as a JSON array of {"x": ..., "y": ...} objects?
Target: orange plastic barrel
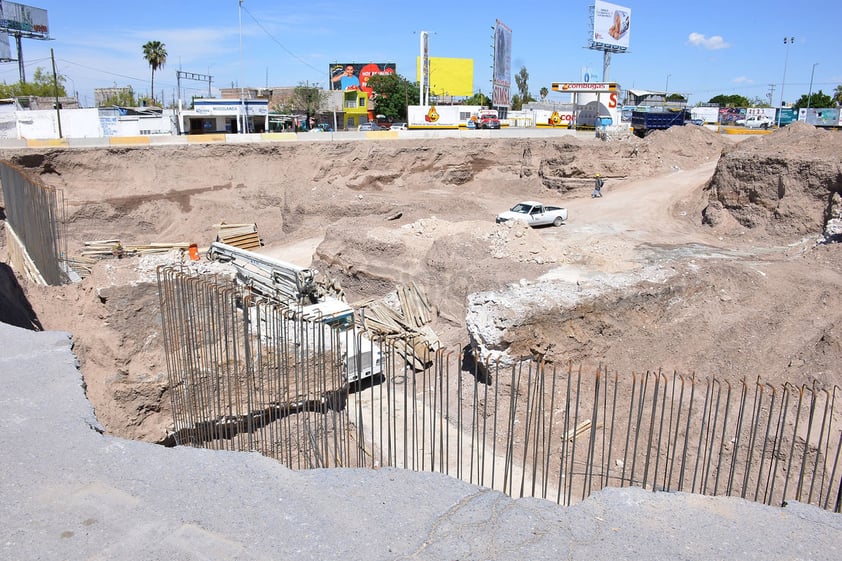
[{"x": 194, "y": 252}]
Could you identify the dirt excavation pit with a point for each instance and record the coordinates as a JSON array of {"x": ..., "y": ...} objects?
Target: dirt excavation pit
[{"x": 704, "y": 256}]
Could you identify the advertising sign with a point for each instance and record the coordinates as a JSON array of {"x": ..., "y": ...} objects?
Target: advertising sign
[
  {"x": 353, "y": 76},
  {"x": 449, "y": 76},
  {"x": 5, "y": 49},
  {"x": 502, "y": 72},
  {"x": 435, "y": 117},
  {"x": 25, "y": 19},
  {"x": 611, "y": 25},
  {"x": 589, "y": 87},
  {"x": 821, "y": 117}
]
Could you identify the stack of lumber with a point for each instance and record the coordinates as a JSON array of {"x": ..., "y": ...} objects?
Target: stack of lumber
[
  {"x": 407, "y": 328},
  {"x": 244, "y": 236},
  {"x": 100, "y": 249}
]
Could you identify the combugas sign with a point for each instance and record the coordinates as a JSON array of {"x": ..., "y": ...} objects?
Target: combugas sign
[{"x": 592, "y": 87}]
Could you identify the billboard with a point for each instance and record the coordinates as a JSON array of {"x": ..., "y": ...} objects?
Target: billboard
[
  {"x": 502, "y": 74},
  {"x": 17, "y": 18},
  {"x": 353, "y": 76},
  {"x": 611, "y": 25},
  {"x": 449, "y": 76},
  {"x": 5, "y": 49}
]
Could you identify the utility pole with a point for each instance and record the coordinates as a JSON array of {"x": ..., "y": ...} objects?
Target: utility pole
[
  {"x": 810, "y": 95},
  {"x": 771, "y": 93},
  {"x": 244, "y": 127},
  {"x": 55, "y": 88}
]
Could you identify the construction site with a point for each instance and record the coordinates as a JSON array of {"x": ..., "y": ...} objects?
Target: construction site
[{"x": 355, "y": 304}]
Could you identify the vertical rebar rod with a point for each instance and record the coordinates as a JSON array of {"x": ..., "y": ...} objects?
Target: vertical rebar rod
[{"x": 792, "y": 445}]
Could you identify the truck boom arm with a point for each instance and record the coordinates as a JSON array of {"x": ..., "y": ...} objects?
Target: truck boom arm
[{"x": 269, "y": 277}]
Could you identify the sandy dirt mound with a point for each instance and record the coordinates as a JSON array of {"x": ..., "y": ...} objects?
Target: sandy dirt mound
[{"x": 691, "y": 261}]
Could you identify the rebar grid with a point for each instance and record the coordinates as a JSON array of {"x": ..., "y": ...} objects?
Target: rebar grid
[
  {"x": 244, "y": 375},
  {"x": 36, "y": 214}
]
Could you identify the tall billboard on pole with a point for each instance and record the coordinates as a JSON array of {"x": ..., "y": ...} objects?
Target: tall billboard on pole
[
  {"x": 25, "y": 20},
  {"x": 611, "y": 26},
  {"x": 502, "y": 71}
]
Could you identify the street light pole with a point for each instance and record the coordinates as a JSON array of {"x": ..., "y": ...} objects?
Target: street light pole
[
  {"x": 810, "y": 95},
  {"x": 787, "y": 41},
  {"x": 667, "y": 88}
]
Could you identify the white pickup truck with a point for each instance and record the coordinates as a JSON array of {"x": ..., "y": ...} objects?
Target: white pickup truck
[{"x": 534, "y": 214}]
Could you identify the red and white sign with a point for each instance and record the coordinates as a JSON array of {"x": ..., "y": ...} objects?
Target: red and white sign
[{"x": 590, "y": 87}]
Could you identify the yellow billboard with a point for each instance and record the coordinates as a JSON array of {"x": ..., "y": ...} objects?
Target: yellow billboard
[{"x": 449, "y": 76}]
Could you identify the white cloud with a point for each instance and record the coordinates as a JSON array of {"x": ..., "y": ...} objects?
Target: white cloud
[
  {"x": 712, "y": 43},
  {"x": 743, "y": 80}
]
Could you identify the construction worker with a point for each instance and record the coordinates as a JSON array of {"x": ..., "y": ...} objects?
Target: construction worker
[{"x": 597, "y": 188}]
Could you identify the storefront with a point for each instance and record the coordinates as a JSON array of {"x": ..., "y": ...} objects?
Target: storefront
[{"x": 210, "y": 116}]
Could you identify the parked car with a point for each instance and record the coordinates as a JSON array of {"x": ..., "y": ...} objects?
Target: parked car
[
  {"x": 399, "y": 127},
  {"x": 757, "y": 122},
  {"x": 370, "y": 127},
  {"x": 534, "y": 214},
  {"x": 322, "y": 127}
]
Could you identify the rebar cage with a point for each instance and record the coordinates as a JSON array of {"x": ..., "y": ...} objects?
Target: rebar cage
[{"x": 247, "y": 374}]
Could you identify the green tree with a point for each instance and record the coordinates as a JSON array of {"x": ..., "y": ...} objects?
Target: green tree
[
  {"x": 732, "y": 100},
  {"x": 544, "y": 93},
  {"x": 837, "y": 95},
  {"x": 41, "y": 86},
  {"x": 156, "y": 55},
  {"x": 522, "y": 81},
  {"x": 517, "y": 102},
  {"x": 480, "y": 99},
  {"x": 676, "y": 97},
  {"x": 816, "y": 99},
  {"x": 308, "y": 99},
  {"x": 392, "y": 93}
]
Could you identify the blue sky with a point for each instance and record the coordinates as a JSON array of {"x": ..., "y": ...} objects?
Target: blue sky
[{"x": 716, "y": 47}]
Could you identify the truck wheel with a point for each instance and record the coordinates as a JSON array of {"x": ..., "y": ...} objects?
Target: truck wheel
[
  {"x": 765, "y": 126},
  {"x": 558, "y": 221}
]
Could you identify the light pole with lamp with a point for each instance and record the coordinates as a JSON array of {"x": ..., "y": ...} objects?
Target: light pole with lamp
[
  {"x": 810, "y": 95},
  {"x": 787, "y": 41},
  {"x": 667, "y": 88}
]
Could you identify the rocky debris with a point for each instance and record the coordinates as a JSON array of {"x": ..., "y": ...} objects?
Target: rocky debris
[{"x": 785, "y": 184}]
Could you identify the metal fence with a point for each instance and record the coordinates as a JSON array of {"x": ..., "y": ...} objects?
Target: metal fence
[
  {"x": 245, "y": 375},
  {"x": 35, "y": 216}
]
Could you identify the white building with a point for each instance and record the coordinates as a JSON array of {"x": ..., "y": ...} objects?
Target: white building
[{"x": 225, "y": 116}]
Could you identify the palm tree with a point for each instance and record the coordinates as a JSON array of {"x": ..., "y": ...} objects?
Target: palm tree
[
  {"x": 837, "y": 95},
  {"x": 156, "y": 55}
]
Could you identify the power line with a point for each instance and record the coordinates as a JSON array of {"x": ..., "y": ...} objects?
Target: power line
[{"x": 281, "y": 45}]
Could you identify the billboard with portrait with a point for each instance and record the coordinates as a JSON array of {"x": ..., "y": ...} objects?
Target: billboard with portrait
[
  {"x": 354, "y": 76},
  {"x": 611, "y": 25},
  {"x": 502, "y": 72},
  {"x": 29, "y": 21}
]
